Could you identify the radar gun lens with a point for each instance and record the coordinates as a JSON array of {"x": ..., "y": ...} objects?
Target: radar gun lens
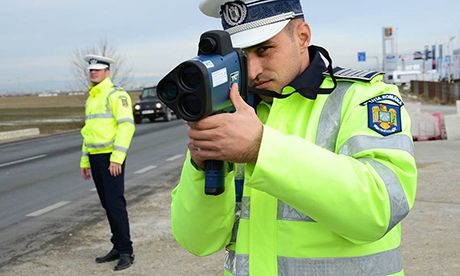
[{"x": 191, "y": 77}]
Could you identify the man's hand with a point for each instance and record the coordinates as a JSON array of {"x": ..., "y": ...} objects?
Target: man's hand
[
  {"x": 115, "y": 169},
  {"x": 233, "y": 137},
  {"x": 85, "y": 173}
]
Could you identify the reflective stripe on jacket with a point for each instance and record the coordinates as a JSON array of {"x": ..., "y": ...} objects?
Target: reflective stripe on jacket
[
  {"x": 333, "y": 207},
  {"x": 109, "y": 125}
]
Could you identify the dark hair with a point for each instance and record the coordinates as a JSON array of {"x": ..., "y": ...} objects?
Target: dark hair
[{"x": 290, "y": 27}]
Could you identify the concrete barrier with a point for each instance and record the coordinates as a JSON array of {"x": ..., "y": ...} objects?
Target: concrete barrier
[
  {"x": 452, "y": 123},
  {"x": 13, "y": 134},
  {"x": 425, "y": 125}
]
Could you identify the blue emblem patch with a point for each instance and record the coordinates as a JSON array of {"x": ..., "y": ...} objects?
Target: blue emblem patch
[{"x": 384, "y": 118}]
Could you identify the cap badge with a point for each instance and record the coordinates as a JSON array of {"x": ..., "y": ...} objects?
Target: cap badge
[
  {"x": 93, "y": 61},
  {"x": 234, "y": 13}
]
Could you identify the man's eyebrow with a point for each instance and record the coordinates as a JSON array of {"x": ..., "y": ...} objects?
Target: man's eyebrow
[{"x": 265, "y": 43}]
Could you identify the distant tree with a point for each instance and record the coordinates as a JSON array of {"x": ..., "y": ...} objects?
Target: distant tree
[{"x": 120, "y": 72}]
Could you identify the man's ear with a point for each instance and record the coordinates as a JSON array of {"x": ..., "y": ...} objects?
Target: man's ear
[{"x": 303, "y": 34}]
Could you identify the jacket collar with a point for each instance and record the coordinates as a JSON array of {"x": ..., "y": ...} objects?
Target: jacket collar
[
  {"x": 313, "y": 75},
  {"x": 98, "y": 88}
]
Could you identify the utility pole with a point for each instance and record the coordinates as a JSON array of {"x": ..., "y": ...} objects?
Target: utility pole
[{"x": 450, "y": 58}]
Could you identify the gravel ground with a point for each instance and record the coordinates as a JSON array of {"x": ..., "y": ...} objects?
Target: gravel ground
[
  {"x": 156, "y": 251},
  {"x": 431, "y": 231}
]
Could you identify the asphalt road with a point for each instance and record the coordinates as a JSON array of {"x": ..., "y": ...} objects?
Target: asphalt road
[{"x": 42, "y": 193}]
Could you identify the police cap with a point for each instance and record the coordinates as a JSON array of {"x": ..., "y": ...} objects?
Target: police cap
[
  {"x": 98, "y": 62},
  {"x": 252, "y": 22}
]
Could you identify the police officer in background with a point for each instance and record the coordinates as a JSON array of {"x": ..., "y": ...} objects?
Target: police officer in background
[
  {"x": 107, "y": 134},
  {"x": 329, "y": 160}
]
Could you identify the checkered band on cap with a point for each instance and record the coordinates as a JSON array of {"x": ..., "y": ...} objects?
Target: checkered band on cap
[
  {"x": 97, "y": 61},
  {"x": 240, "y": 16}
]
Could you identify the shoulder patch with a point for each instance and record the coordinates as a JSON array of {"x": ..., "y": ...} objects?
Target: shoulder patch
[
  {"x": 124, "y": 101},
  {"x": 354, "y": 74},
  {"x": 384, "y": 114}
]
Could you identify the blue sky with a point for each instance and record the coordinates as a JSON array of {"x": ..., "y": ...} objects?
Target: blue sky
[{"x": 37, "y": 37}]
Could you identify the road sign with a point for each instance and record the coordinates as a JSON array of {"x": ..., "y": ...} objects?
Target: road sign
[{"x": 361, "y": 56}]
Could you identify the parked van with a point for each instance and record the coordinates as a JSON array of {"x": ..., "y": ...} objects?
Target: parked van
[{"x": 402, "y": 78}]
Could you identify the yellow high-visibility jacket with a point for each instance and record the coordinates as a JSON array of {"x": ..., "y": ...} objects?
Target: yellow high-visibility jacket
[
  {"x": 109, "y": 125},
  {"x": 333, "y": 180}
]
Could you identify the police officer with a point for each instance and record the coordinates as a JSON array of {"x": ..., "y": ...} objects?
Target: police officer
[
  {"x": 330, "y": 169},
  {"x": 107, "y": 134}
]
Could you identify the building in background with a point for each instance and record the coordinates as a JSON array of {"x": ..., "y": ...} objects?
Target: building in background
[
  {"x": 456, "y": 65},
  {"x": 426, "y": 64}
]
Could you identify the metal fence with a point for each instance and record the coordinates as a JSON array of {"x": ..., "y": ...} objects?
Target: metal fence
[{"x": 442, "y": 91}]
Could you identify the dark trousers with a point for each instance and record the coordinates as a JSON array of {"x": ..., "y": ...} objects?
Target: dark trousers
[{"x": 111, "y": 193}]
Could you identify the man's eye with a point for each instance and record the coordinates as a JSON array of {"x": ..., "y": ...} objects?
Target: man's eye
[{"x": 264, "y": 49}]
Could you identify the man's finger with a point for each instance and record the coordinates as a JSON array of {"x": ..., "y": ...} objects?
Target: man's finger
[{"x": 235, "y": 97}]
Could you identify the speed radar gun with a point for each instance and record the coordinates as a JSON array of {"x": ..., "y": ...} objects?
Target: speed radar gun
[{"x": 200, "y": 87}]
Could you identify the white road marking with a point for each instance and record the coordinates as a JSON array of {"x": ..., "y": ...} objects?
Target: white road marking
[
  {"x": 93, "y": 189},
  {"x": 48, "y": 209},
  {"x": 146, "y": 169},
  {"x": 22, "y": 160},
  {"x": 175, "y": 157}
]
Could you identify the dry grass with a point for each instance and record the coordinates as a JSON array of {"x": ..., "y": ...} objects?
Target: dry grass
[
  {"x": 61, "y": 113},
  {"x": 42, "y": 102},
  {"x": 49, "y": 114}
]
